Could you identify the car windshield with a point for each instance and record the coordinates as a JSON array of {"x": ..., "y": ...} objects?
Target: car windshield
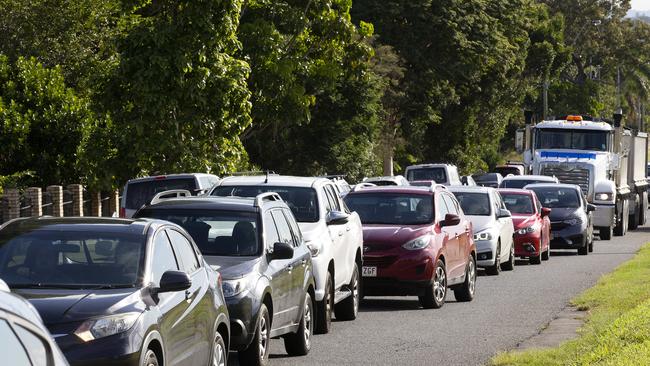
[
  {"x": 519, "y": 183},
  {"x": 518, "y": 203},
  {"x": 141, "y": 193},
  {"x": 505, "y": 170},
  {"x": 71, "y": 259},
  {"x": 557, "y": 197},
  {"x": 436, "y": 174},
  {"x": 302, "y": 200},
  {"x": 392, "y": 208},
  {"x": 223, "y": 233},
  {"x": 558, "y": 138},
  {"x": 474, "y": 203}
]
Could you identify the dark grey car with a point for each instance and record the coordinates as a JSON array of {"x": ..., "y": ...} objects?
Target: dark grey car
[{"x": 571, "y": 218}]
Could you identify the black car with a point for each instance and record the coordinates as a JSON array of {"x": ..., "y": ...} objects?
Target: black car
[
  {"x": 118, "y": 292},
  {"x": 25, "y": 340},
  {"x": 268, "y": 281},
  {"x": 571, "y": 221}
]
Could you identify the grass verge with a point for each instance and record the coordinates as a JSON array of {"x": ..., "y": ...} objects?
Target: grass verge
[{"x": 617, "y": 331}]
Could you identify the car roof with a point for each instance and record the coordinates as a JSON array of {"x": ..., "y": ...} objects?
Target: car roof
[
  {"x": 531, "y": 177},
  {"x": 394, "y": 178},
  {"x": 88, "y": 224},
  {"x": 470, "y": 189},
  {"x": 273, "y": 180},
  {"x": 397, "y": 189},
  {"x": 553, "y": 185},
  {"x": 231, "y": 203},
  {"x": 430, "y": 165},
  {"x": 527, "y": 192},
  {"x": 169, "y": 176}
]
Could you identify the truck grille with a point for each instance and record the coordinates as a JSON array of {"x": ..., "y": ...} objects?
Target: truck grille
[{"x": 577, "y": 176}]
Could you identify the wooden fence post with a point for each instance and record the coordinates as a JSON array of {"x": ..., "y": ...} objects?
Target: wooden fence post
[
  {"x": 35, "y": 196},
  {"x": 56, "y": 192},
  {"x": 114, "y": 203},
  {"x": 13, "y": 203},
  {"x": 77, "y": 191},
  {"x": 95, "y": 204}
]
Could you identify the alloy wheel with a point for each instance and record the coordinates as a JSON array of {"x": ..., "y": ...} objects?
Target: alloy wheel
[
  {"x": 440, "y": 285},
  {"x": 471, "y": 272},
  {"x": 218, "y": 355},
  {"x": 355, "y": 293},
  {"x": 307, "y": 319},
  {"x": 264, "y": 337}
]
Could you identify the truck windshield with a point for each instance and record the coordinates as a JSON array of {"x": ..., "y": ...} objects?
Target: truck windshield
[
  {"x": 436, "y": 174},
  {"x": 550, "y": 138}
]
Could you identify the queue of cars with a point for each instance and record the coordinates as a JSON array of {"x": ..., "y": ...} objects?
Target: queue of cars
[{"x": 207, "y": 266}]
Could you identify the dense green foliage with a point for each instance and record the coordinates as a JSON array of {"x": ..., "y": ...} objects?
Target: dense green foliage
[{"x": 130, "y": 87}]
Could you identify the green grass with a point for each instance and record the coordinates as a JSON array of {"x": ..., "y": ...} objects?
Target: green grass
[{"x": 617, "y": 331}]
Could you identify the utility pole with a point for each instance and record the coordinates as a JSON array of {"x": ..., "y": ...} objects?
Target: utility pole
[
  {"x": 545, "y": 99},
  {"x": 618, "y": 88}
]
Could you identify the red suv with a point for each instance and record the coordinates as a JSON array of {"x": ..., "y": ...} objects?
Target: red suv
[
  {"x": 417, "y": 241},
  {"x": 532, "y": 225}
]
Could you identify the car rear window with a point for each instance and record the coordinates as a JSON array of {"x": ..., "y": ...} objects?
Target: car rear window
[
  {"x": 519, "y": 183},
  {"x": 222, "y": 233},
  {"x": 392, "y": 208},
  {"x": 73, "y": 259},
  {"x": 436, "y": 174},
  {"x": 302, "y": 201},
  {"x": 141, "y": 193}
]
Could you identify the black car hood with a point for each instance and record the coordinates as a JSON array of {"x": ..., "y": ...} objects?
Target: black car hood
[
  {"x": 559, "y": 214},
  {"x": 59, "y": 306},
  {"x": 233, "y": 267}
]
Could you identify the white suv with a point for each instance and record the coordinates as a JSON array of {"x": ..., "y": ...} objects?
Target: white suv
[{"x": 333, "y": 235}]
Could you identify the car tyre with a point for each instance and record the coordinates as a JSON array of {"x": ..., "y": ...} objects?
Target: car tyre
[
  {"x": 605, "y": 233},
  {"x": 325, "y": 308},
  {"x": 495, "y": 269},
  {"x": 434, "y": 295},
  {"x": 547, "y": 253},
  {"x": 510, "y": 264},
  {"x": 584, "y": 249},
  {"x": 348, "y": 309},
  {"x": 219, "y": 351},
  {"x": 150, "y": 358},
  {"x": 466, "y": 291},
  {"x": 257, "y": 353},
  {"x": 299, "y": 343},
  {"x": 634, "y": 219},
  {"x": 536, "y": 259}
]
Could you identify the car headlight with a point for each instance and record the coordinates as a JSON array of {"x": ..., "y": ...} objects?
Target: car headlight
[
  {"x": 604, "y": 196},
  {"x": 235, "y": 287},
  {"x": 572, "y": 221},
  {"x": 314, "y": 248},
  {"x": 107, "y": 326},
  {"x": 527, "y": 230},
  {"x": 418, "y": 243},
  {"x": 482, "y": 236}
]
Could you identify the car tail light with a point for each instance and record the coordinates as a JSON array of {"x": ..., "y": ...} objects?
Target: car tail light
[
  {"x": 160, "y": 177},
  {"x": 122, "y": 212}
]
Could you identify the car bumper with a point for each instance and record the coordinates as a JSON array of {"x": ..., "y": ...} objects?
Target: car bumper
[
  {"x": 528, "y": 245},
  {"x": 486, "y": 252},
  {"x": 572, "y": 237},
  {"x": 243, "y": 310},
  {"x": 604, "y": 215},
  {"x": 399, "y": 272},
  {"x": 119, "y": 349}
]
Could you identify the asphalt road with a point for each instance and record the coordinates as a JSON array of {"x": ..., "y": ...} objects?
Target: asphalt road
[{"x": 507, "y": 309}]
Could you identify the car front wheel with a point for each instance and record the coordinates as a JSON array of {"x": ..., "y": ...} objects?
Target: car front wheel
[
  {"x": 219, "y": 352},
  {"x": 150, "y": 358},
  {"x": 299, "y": 343},
  {"x": 510, "y": 264},
  {"x": 434, "y": 295},
  {"x": 325, "y": 307},
  {"x": 495, "y": 269},
  {"x": 349, "y": 307},
  {"x": 257, "y": 353},
  {"x": 466, "y": 291}
]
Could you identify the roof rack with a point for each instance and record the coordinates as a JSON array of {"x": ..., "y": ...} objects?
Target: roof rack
[
  {"x": 253, "y": 172},
  {"x": 360, "y": 186},
  {"x": 267, "y": 196},
  {"x": 176, "y": 193}
]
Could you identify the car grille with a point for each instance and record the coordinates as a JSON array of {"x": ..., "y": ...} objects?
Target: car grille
[
  {"x": 557, "y": 226},
  {"x": 379, "y": 261},
  {"x": 579, "y": 176}
]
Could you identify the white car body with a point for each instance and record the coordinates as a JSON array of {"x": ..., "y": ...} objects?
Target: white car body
[
  {"x": 445, "y": 174},
  {"x": 335, "y": 248},
  {"x": 490, "y": 230},
  {"x": 395, "y": 180},
  {"x": 520, "y": 181}
]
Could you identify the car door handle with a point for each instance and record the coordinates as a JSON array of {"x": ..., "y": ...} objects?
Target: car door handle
[
  {"x": 289, "y": 269},
  {"x": 189, "y": 296},
  {"x": 340, "y": 233},
  {"x": 347, "y": 228},
  {"x": 303, "y": 262}
]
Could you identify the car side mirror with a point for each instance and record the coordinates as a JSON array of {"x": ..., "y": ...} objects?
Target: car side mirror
[
  {"x": 337, "y": 218},
  {"x": 546, "y": 211},
  {"x": 174, "y": 281},
  {"x": 503, "y": 213},
  {"x": 450, "y": 220},
  {"x": 281, "y": 251},
  {"x": 591, "y": 208}
]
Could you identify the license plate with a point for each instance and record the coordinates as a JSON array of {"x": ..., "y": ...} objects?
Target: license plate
[{"x": 369, "y": 271}]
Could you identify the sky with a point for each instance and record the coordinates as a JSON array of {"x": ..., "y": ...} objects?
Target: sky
[{"x": 640, "y": 4}]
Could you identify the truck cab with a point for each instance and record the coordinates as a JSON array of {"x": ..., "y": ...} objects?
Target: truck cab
[{"x": 605, "y": 159}]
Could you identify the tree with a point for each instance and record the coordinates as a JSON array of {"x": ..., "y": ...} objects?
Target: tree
[{"x": 41, "y": 123}]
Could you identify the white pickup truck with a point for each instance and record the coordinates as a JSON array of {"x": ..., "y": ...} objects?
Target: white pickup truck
[
  {"x": 333, "y": 235},
  {"x": 445, "y": 174}
]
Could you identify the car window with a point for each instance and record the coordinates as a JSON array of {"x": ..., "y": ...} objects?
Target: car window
[
  {"x": 329, "y": 205},
  {"x": 474, "y": 203},
  {"x": 141, "y": 193},
  {"x": 518, "y": 203},
  {"x": 270, "y": 231},
  {"x": 451, "y": 206},
  {"x": 443, "y": 210},
  {"x": 281, "y": 223},
  {"x": 185, "y": 254},
  {"x": 333, "y": 196},
  {"x": 295, "y": 230},
  {"x": 558, "y": 197},
  {"x": 392, "y": 208},
  {"x": 38, "y": 349},
  {"x": 163, "y": 258},
  {"x": 13, "y": 352}
]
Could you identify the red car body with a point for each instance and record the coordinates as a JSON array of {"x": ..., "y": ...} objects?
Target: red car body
[
  {"x": 533, "y": 244},
  {"x": 408, "y": 272}
]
